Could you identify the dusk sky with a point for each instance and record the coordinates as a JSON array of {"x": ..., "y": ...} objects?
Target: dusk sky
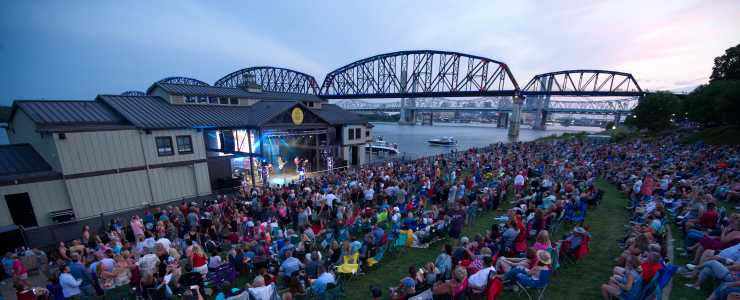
[{"x": 78, "y": 49}]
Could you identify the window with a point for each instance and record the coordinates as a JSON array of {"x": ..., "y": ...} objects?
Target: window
[
  {"x": 367, "y": 133},
  {"x": 223, "y": 100},
  {"x": 164, "y": 146},
  {"x": 308, "y": 104},
  {"x": 184, "y": 144},
  {"x": 351, "y": 134},
  {"x": 202, "y": 99},
  {"x": 213, "y": 100},
  {"x": 358, "y": 133},
  {"x": 234, "y": 101},
  {"x": 190, "y": 99}
]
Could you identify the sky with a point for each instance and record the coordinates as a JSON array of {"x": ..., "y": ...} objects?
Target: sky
[{"x": 79, "y": 49}]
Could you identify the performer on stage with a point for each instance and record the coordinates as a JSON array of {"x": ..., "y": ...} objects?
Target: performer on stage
[
  {"x": 301, "y": 173},
  {"x": 265, "y": 175}
]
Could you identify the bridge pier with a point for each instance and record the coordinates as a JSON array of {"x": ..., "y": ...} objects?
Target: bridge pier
[
  {"x": 516, "y": 116},
  {"x": 617, "y": 119},
  {"x": 540, "y": 120},
  {"x": 427, "y": 118},
  {"x": 502, "y": 121},
  {"x": 408, "y": 115}
]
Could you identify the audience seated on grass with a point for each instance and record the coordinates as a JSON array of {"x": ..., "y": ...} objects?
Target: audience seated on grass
[{"x": 284, "y": 237}]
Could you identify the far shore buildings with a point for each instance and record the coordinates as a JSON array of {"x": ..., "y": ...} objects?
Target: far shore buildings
[{"x": 71, "y": 161}]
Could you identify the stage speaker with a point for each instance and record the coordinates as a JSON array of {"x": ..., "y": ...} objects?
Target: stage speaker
[{"x": 227, "y": 141}]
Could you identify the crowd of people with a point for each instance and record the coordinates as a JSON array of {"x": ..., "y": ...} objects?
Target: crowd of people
[
  {"x": 296, "y": 238},
  {"x": 682, "y": 183}
]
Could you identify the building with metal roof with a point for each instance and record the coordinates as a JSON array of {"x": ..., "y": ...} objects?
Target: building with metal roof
[{"x": 72, "y": 160}]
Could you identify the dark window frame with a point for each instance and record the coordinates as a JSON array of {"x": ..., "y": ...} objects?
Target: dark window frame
[
  {"x": 161, "y": 150},
  {"x": 202, "y": 99},
  {"x": 191, "y": 99},
  {"x": 223, "y": 100},
  {"x": 189, "y": 143},
  {"x": 234, "y": 101},
  {"x": 358, "y": 133},
  {"x": 351, "y": 135},
  {"x": 213, "y": 100}
]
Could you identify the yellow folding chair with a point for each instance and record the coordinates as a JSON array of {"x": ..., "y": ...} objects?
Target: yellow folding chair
[{"x": 350, "y": 265}]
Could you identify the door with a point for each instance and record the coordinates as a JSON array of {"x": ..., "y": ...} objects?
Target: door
[
  {"x": 21, "y": 209},
  {"x": 355, "y": 155}
]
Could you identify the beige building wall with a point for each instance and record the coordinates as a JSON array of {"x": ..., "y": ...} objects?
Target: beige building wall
[
  {"x": 23, "y": 131},
  {"x": 150, "y": 146},
  {"x": 108, "y": 193},
  {"x": 115, "y": 150},
  {"x": 45, "y": 197},
  {"x": 82, "y": 152},
  {"x": 355, "y": 141}
]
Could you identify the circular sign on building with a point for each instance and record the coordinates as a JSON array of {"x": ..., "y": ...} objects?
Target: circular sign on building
[{"x": 297, "y": 116}]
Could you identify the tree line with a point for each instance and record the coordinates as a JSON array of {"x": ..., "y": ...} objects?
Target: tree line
[{"x": 716, "y": 103}]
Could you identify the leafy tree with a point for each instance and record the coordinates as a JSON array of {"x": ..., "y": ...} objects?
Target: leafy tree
[
  {"x": 655, "y": 112},
  {"x": 727, "y": 66},
  {"x": 717, "y": 103}
]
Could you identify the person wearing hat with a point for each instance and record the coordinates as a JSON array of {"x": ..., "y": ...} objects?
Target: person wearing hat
[
  {"x": 406, "y": 288},
  {"x": 531, "y": 277},
  {"x": 576, "y": 237}
]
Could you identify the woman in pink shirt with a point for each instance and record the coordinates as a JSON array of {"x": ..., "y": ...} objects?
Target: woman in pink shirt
[
  {"x": 543, "y": 241},
  {"x": 137, "y": 226},
  {"x": 20, "y": 273}
]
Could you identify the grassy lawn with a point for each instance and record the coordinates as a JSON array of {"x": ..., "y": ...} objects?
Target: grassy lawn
[
  {"x": 723, "y": 135},
  {"x": 680, "y": 291},
  {"x": 579, "y": 281}
]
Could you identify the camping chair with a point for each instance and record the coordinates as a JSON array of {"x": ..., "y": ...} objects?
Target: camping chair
[
  {"x": 577, "y": 215},
  {"x": 269, "y": 292},
  {"x": 424, "y": 295},
  {"x": 538, "y": 288},
  {"x": 244, "y": 295},
  {"x": 578, "y": 253},
  {"x": 372, "y": 261},
  {"x": 350, "y": 265},
  {"x": 121, "y": 292},
  {"x": 555, "y": 256},
  {"x": 399, "y": 244},
  {"x": 557, "y": 222},
  {"x": 661, "y": 280},
  {"x": 480, "y": 293},
  {"x": 333, "y": 291},
  {"x": 157, "y": 293}
]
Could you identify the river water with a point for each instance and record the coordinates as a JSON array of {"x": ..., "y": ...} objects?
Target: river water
[{"x": 412, "y": 139}]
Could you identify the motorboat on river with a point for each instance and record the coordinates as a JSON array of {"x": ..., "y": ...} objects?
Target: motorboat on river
[
  {"x": 445, "y": 141},
  {"x": 380, "y": 145}
]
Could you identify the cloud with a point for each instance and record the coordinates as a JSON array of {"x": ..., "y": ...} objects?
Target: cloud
[{"x": 115, "y": 46}]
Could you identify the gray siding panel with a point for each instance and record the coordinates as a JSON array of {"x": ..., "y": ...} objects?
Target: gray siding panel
[{"x": 45, "y": 197}]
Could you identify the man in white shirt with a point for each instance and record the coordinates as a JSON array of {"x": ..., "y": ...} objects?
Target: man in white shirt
[
  {"x": 148, "y": 263},
  {"x": 637, "y": 186},
  {"x": 479, "y": 280},
  {"x": 369, "y": 194},
  {"x": 330, "y": 197}
]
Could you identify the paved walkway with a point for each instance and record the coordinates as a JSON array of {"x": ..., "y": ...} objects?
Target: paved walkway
[{"x": 8, "y": 292}]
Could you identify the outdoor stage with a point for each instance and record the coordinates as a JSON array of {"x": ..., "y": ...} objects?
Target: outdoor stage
[{"x": 283, "y": 179}]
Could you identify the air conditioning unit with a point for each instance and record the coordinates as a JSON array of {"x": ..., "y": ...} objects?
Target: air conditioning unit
[{"x": 62, "y": 216}]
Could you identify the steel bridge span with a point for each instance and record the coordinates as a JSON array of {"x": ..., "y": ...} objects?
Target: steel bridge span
[{"x": 416, "y": 74}]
